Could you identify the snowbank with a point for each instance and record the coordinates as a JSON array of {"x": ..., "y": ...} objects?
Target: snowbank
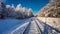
[
  {"x": 8, "y": 24},
  {"x": 54, "y": 22}
]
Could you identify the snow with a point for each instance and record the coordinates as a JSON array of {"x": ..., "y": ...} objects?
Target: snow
[
  {"x": 41, "y": 25},
  {"x": 32, "y": 28},
  {"x": 14, "y": 12},
  {"x": 20, "y": 29},
  {"x": 9, "y": 24},
  {"x": 46, "y": 28},
  {"x": 27, "y": 26}
]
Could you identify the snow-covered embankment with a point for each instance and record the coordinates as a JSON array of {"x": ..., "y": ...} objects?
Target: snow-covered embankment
[{"x": 54, "y": 22}]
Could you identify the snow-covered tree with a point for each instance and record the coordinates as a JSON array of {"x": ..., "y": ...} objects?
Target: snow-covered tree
[
  {"x": 30, "y": 14},
  {"x": 19, "y": 7},
  {"x": 10, "y": 10},
  {"x": 3, "y": 12},
  {"x": 24, "y": 12},
  {"x": 19, "y": 11}
]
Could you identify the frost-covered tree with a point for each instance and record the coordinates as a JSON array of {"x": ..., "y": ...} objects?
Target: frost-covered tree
[
  {"x": 10, "y": 10},
  {"x": 30, "y": 14},
  {"x": 3, "y": 12},
  {"x": 19, "y": 11},
  {"x": 23, "y": 12}
]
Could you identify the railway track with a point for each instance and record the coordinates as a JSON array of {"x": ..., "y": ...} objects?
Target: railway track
[{"x": 34, "y": 26}]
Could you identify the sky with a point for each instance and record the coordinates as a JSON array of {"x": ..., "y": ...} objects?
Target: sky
[{"x": 35, "y": 5}]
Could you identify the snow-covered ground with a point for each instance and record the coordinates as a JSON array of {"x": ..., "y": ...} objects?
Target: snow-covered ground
[
  {"x": 54, "y": 22},
  {"x": 10, "y": 24},
  {"x": 27, "y": 26}
]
